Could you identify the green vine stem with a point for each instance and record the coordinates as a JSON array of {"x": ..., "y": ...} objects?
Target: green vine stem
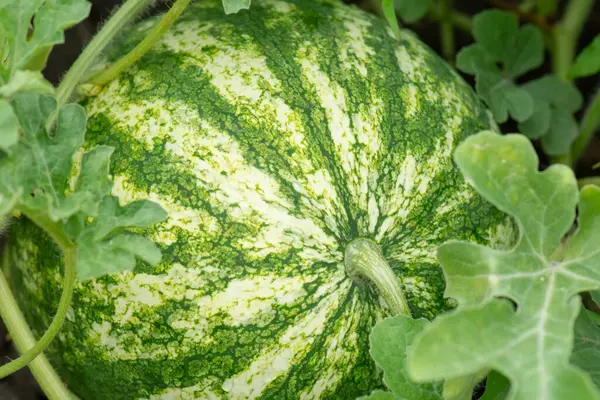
[
  {"x": 23, "y": 338},
  {"x": 447, "y": 30},
  {"x": 364, "y": 259},
  {"x": 566, "y": 34},
  {"x": 124, "y": 15},
  {"x": 17, "y": 326},
  {"x": 105, "y": 76},
  {"x": 53, "y": 328},
  {"x": 589, "y": 124}
]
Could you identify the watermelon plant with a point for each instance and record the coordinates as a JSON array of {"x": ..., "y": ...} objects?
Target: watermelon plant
[{"x": 299, "y": 200}]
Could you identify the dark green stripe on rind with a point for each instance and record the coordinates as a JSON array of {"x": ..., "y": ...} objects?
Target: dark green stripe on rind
[{"x": 401, "y": 93}]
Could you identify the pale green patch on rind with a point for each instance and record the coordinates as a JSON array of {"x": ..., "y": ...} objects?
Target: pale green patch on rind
[
  {"x": 349, "y": 129},
  {"x": 245, "y": 192}
]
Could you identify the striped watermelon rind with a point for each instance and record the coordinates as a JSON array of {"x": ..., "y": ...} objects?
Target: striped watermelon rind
[{"x": 273, "y": 138}]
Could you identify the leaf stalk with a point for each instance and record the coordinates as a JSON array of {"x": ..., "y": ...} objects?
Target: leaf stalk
[
  {"x": 124, "y": 15},
  {"x": 103, "y": 77}
]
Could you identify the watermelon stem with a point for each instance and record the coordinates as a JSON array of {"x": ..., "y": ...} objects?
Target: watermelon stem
[{"x": 364, "y": 259}]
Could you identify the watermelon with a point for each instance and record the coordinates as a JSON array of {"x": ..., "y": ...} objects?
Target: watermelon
[{"x": 274, "y": 138}]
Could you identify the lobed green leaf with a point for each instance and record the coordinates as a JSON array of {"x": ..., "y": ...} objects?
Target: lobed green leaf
[
  {"x": 552, "y": 119},
  {"x": 538, "y": 124},
  {"x": 96, "y": 258},
  {"x": 389, "y": 342},
  {"x": 39, "y": 165},
  {"x": 504, "y": 97},
  {"x": 525, "y": 52},
  {"x": 553, "y": 90},
  {"x": 528, "y": 338},
  {"x": 103, "y": 246},
  {"x": 495, "y": 30},
  {"x": 474, "y": 59},
  {"x": 39, "y": 175},
  {"x": 32, "y": 27},
  {"x": 137, "y": 214},
  {"x": 500, "y": 42}
]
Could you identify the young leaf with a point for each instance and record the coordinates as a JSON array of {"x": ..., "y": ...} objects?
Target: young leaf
[
  {"x": 530, "y": 346},
  {"x": 495, "y": 31},
  {"x": 504, "y": 97},
  {"x": 389, "y": 341},
  {"x": 474, "y": 59},
  {"x": 538, "y": 124},
  {"x": 526, "y": 53},
  {"x": 552, "y": 90},
  {"x": 586, "y": 349},
  {"x": 233, "y": 6},
  {"x": 552, "y": 120},
  {"x": 411, "y": 10},
  {"x": 49, "y": 17},
  {"x": 588, "y": 61},
  {"x": 562, "y": 132},
  {"x": 499, "y": 40}
]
